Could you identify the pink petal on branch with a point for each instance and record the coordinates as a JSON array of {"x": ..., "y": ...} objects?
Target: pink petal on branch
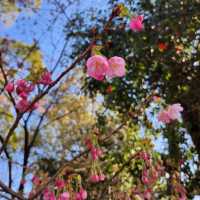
[
  {"x": 174, "y": 111},
  {"x": 94, "y": 178},
  {"x": 64, "y": 196},
  {"x": 163, "y": 116},
  {"x": 97, "y": 66},
  {"x": 59, "y": 183},
  {"x": 116, "y": 67},
  {"x": 10, "y": 87},
  {"x": 136, "y": 23},
  {"x": 46, "y": 78}
]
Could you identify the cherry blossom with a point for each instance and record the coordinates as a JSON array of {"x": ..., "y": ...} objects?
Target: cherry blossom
[
  {"x": 10, "y": 87},
  {"x": 136, "y": 23},
  {"x": 171, "y": 113},
  {"x": 49, "y": 195},
  {"x": 94, "y": 178},
  {"x": 116, "y": 67},
  {"x": 174, "y": 111},
  {"x": 64, "y": 196},
  {"x": 59, "y": 183},
  {"x": 164, "y": 117},
  {"x": 46, "y": 78},
  {"x": 81, "y": 195},
  {"x": 36, "y": 180},
  {"x": 22, "y": 105},
  {"x": 102, "y": 177},
  {"x": 24, "y": 86},
  {"x": 97, "y": 67},
  {"x": 96, "y": 153}
]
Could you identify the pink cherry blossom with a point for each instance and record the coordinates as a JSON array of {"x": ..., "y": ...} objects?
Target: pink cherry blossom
[
  {"x": 174, "y": 111},
  {"x": 88, "y": 143},
  {"x": 59, "y": 183},
  {"x": 163, "y": 116},
  {"x": 46, "y": 78},
  {"x": 24, "y": 86},
  {"x": 81, "y": 195},
  {"x": 145, "y": 178},
  {"x": 48, "y": 195},
  {"x": 102, "y": 177},
  {"x": 136, "y": 23},
  {"x": 171, "y": 113},
  {"x": 97, "y": 67},
  {"x": 23, "y": 95},
  {"x": 22, "y": 105},
  {"x": 144, "y": 155},
  {"x": 94, "y": 178},
  {"x": 116, "y": 67},
  {"x": 96, "y": 153},
  {"x": 36, "y": 180},
  {"x": 64, "y": 196},
  {"x": 10, "y": 87}
]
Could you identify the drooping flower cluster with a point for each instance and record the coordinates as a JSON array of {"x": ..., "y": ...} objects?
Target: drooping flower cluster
[
  {"x": 23, "y": 90},
  {"x": 171, "y": 113},
  {"x": 58, "y": 190},
  {"x": 178, "y": 188},
  {"x": 95, "y": 152},
  {"x": 81, "y": 195},
  {"x": 149, "y": 176},
  {"x": 99, "y": 66}
]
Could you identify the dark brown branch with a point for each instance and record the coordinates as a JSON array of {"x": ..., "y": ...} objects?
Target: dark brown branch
[
  {"x": 9, "y": 164},
  {"x": 26, "y": 156},
  {"x": 5, "y": 79},
  {"x": 11, "y": 192},
  {"x": 10, "y": 132}
]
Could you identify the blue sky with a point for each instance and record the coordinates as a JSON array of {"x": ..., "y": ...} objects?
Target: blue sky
[{"x": 29, "y": 26}]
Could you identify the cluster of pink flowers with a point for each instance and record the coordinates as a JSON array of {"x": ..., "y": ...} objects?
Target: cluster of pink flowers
[
  {"x": 46, "y": 78},
  {"x": 136, "y": 23},
  {"x": 36, "y": 180},
  {"x": 96, "y": 153},
  {"x": 95, "y": 178},
  {"x": 150, "y": 175},
  {"x": 171, "y": 113},
  {"x": 181, "y": 191},
  {"x": 81, "y": 195},
  {"x": 23, "y": 89},
  {"x": 57, "y": 192},
  {"x": 99, "y": 66},
  {"x": 49, "y": 195}
]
